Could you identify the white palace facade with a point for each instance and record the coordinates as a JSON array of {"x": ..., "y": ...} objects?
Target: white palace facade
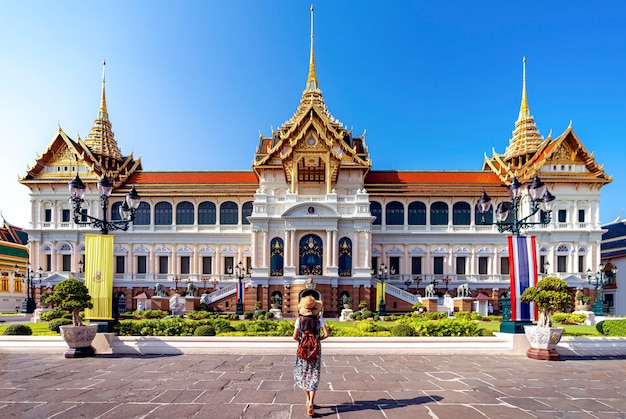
[{"x": 312, "y": 213}]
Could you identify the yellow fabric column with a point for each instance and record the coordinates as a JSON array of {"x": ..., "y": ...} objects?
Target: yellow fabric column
[
  {"x": 99, "y": 275},
  {"x": 379, "y": 291}
]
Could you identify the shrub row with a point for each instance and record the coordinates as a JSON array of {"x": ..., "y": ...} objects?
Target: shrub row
[
  {"x": 175, "y": 326},
  {"x": 569, "y": 318},
  {"x": 612, "y": 327},
  {"x": 18, "y": 329}
]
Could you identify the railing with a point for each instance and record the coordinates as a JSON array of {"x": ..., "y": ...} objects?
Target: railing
[{"x": 220, "y": 293}]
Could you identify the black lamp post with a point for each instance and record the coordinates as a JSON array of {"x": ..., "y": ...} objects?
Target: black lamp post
[
  {"x": 446, "y": 281},
  {"x": 599, "y": 280},
  {"x": 541, "y": 199},
  {"x": 176, "y": 280},
  {"x": 127, "y": 209},
  {"x": 29, "y": 305},
  {"x": 382, "y": 277},
  {"x": 240, "y": 273}
]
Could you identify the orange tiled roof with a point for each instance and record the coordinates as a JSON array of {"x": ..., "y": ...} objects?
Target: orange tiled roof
[
  {"x": 192, "y": 177},
  {"x": 399, "y": 177}
]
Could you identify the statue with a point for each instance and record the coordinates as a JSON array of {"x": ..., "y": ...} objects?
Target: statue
[
  {"x": 191, "y": 289},
  {"x": 463, "y": 290},
  {"x": 177, "y": 305},
  {"x": 159, "y": 291},
  {"x": 429, "y": 291}
]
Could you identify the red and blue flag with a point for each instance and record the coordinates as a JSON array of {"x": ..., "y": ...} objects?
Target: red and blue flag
[{"x": 523, "y": 274}]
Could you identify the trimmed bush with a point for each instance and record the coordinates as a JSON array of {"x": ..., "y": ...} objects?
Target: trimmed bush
[
  {"x": 248, "y": 315},
  {"x": 259, "y": 314},
  {"x": 55, "y": 313},
  {"x": 600, "y": 327},
  {"x": 614, "y": 327},
  {"x": 402, "y": 330},
  {"x": 206, "y": 330},
  {"x": 367, "y": 314},
  {"x": 18, "y": 329},
  {"x": 54, "y": 324}
]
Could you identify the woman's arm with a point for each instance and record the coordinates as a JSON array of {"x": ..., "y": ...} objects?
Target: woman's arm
[
  {"x": 325, "y": 335},
  {"x": 296, "y": 335}
]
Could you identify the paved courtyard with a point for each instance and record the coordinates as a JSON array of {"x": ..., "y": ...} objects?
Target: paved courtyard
[{"x": 248, "y": 386}]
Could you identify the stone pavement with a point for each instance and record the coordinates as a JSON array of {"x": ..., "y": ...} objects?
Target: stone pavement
[{"x": 369, "y": 386}]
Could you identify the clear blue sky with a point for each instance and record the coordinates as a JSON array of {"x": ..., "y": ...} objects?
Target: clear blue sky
[{"x": 190, "y": 84}]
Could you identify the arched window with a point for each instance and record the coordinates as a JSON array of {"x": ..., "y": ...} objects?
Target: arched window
[
  {"x": 417, "y": 214},
  {"x": 345, "y": 257},
  {"x": 228, "y": 213},
  {"x": 277, "y": 253},
  {"x": 142, "y": 215},
  {"x": 121, "y": 302},
  {"x": 184, "y": 213},
  {"x": 376, "y": 209},
  {"x": 461, "y": 214},
  {"x": 246, "y": 211},
  {"x": 206, "y": 213},
  {"x": 311, "y": 251},
  {"x": 394, "y": 213},
  {"x": 163, "y": 214},
  {"x": 439, "y": 213}
]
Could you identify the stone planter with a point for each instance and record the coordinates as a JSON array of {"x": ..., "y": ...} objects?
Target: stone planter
[
  {"x": 543, "y": 341},
  {"x": 347, "y": 306},
  {"x": 582, "y": 307},
  {"x": 79, "y": 339}
]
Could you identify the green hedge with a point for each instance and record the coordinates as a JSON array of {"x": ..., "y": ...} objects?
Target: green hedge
[
  {"x": 612, "y": 327},
  {"x": 54, "y": 324},
  {"x": 18, "y": 329}
]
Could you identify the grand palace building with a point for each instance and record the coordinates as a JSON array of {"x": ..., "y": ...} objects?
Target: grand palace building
[{"x": 312, "y": 213}]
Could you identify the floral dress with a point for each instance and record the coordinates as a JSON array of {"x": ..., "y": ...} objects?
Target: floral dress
[{"x": 306, "y": 374}]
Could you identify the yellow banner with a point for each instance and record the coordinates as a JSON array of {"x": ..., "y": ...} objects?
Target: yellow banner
[
  {"x": 379, "y": 290},
  {"x": 99, "y": 275}
]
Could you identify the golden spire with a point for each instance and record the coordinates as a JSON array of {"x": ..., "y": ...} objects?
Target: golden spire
[
  {"x": 526, "y": 138},
  {"x": 102, "y": 112},
  {"x": 311, "y": 81}
]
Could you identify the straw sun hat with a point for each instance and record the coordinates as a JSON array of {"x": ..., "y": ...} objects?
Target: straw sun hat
[{"x": 309, "y": 306}]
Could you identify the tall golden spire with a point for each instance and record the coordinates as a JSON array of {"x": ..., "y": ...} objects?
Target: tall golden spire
[
  {"x": 311, "y": 81},
  {"x": 526, "y": 138},
  {"x": 101, "y": 140}
]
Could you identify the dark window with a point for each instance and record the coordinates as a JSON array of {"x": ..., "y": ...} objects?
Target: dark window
[
  {"x": 229, "y": 265},
  {"x": 311, "y": 255},
  {"x": 67, "y": 263},
  {"x": 439, "y": 214},
  {"x": 142, "y": 215},
  {"x": 417, "y": 214},
  {"x": 228, "y": 213},
  {"x": 184, "y": 265},
  {"x": 416, "y": 265},
  {"x": 248, "y": 264},
  {"x": 184, "y": 213},
  {"x": 120, "y": 261},
  {"x": 246, "y": 211},
  {"x": 394, "y": 213},
  {"x": 345, "y": 257},
  {"x": 376, "y": 210},
  {"x": 460, "y": 265},
  {"x": 277, "y": 253},
  {"x": 561, "y": 263},
  {"x": 487, "y": 217},
  {"x": 394, "y": 265},
  {"x": 581, "y": 264},
  {"x": 438, "y": 265},
  {"x": 163, "y": 264},
  {"x": 163, "y": 214},
  {"x": 66, "y": 216},
  {"x": 206, "y": 213},
  {"x": 542, "y": 264},
  {"x": 483, "y": 265},
  {"x": 461, "y": 214},
  {"x": 504, "y": 265},
  {"x": 142, "y": 264},
  {"x": 48, "y": 263},
  {"x": 47, "y": 215},
  {"x": 375, "y": 264},
  {"x": 562, "y": 216},
  {"x": 207, "y": 262},
  {"x": 581, "y": 216},
  {"x": 115, "y": 211}
]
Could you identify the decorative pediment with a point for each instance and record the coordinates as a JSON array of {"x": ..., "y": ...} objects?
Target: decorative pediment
[
  {"x": 484, "y": 251},
  {"x": 311, "y": 210},
  {"x": 162, "y": 250},
  {"x": 141, "y": 250},
  {"x": 417, "y": 251},
  {"x": 440, "y": 251},
  {"x": 184, "y": 250},
  {"x": 206, "y": 251},
  {"x": 119, "y": 250},
  {"x": 462, "y": 250},
  {"x": 395, "y": 251}
]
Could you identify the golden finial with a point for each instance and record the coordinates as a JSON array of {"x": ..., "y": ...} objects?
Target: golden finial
[
  {"x": 102, "y": 113},
  {"x": 524, "y": 111},
  {"x": 311, "y": 81}
]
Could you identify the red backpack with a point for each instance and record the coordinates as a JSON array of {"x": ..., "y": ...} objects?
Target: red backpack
[{"x": 308, "y": 348}]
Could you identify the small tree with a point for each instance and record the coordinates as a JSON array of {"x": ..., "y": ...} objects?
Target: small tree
[
  {"x": 72, "y": 296},
  {"x": 550, "y": 295}
]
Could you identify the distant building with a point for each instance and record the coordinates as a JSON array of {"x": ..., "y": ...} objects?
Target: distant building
[
  {"x": 614, "y": 256},
  {"x": 13, "y": 253},
  {"x": 312, "y": 215}
]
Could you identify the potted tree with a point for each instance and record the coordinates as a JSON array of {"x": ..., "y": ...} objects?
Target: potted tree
[
  {"x": 551, "y": 294},
  {"x": 582, "y": 302},
  {"x": 346, "y": 300},
  {"x": 276, "y": 301},
  {"x": 73, "y": 296}
]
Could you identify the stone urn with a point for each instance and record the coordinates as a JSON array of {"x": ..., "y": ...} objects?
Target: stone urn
[
  {"x": 79, "y": 339},
  {"x": 543, "y": 341}
]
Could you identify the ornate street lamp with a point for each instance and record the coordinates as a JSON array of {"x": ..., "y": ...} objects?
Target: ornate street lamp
[
  {"x": 29, "y": 305},
  {"x": 446, "y": 281},
  {"x": 240, "y": 273},
  {"x": 204, "y": 281},
  {"x": 176, "y": 280},
  {"x": 599, "y": 280},
  {"x": 382, "y": 277},
  {"x": 127, "y": 209},
  {"x": 540, "y": 197},
  {"x": 215, "y": 282}
]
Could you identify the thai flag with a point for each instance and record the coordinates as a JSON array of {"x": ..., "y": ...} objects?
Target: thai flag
[
  {"x": 523, "y": 272},
  {"x": 241, "y": 292}
]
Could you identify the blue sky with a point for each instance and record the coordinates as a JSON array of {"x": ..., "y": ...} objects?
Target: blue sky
[{"x": 190, "y": 84}]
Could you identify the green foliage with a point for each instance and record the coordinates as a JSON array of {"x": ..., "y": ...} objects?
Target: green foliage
[
  {"x": 269, "y": 315},
  {"x": 417, "y": 306},
  {"x": 434, "y": 315},
  {"x": 72, "y": 296},
  {"x": 206, "y": 330},
  {"x": 367, "y": 314},
  {"x": 356, "y": 316},
  {"x": 18, "y": 329},
  {"x": 248, "y": 315},
  {"x": 362, "y": 305},
  {"x": 443, "y": 327},
  {"x": 402, "y": 330},
  {"x": 466, "y": 315},
  {"x": 600, "y": 327},
  {"x": 569, "y": 318},
  {"x": 583, "y": 298},
  {"x": 54, "y": 324},
  {"x": 198, "y": 314},
  {"x": 203, "y": 307},
  {"x": 549, "y": 295},
  {"x": 614, "y": 327},
  {"x": 55, "y": 313}
]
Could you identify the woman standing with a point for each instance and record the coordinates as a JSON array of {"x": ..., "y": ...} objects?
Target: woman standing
[{"x": 306, "y": 374}]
